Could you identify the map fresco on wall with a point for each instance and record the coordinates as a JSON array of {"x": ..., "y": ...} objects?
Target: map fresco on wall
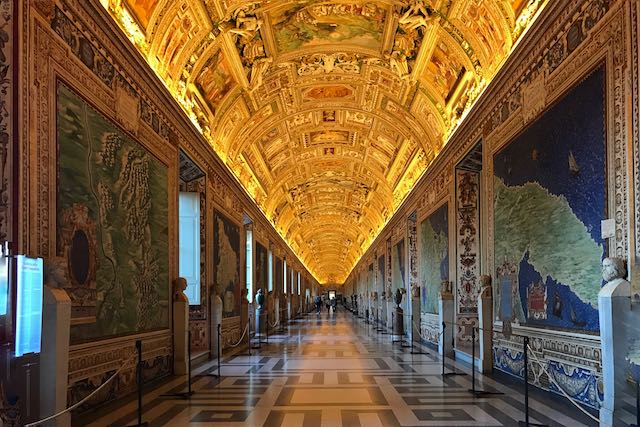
[
  {"x": 112, "y": 223},
  {"x": 549, "y": 200},
  {"x": 279, "y": 276},
  {"x": 371, "y": 280},
  {"x": 226, "y": 258},
  {"x": 434, "y": 265},
  {"x": 262, "y": 269},
  {"x": 381, "y": 276},
  {"x": 397, "y": 269},
  {"x": 360, "y": 24}
]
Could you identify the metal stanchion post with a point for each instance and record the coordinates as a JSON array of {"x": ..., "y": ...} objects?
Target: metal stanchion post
[
  {"x": 413, "y": 331},
  {"x": 442, "y": 341},
  {"x": 219, "y": 349},
  {"x": 139, "y": 384},
  {"x": 637, "y": 403},
  {"x": 477, "y": 393},
  {"x": 526, "y": 388},
  {"x": 185, "y": 394},
  {"x": 452, "y": 373}
]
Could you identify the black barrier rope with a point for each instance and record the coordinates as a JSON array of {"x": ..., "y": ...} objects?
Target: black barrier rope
[{"x": 206, "y": 373}]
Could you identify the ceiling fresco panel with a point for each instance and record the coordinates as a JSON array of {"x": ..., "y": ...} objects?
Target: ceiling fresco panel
[
  {"x": 328, "y": 112},
  {"x": 300, "y": 25}
]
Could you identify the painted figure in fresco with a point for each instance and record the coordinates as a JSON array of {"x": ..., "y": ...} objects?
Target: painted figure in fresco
[
  {"x": 229, "y": 301},
  {"x": 445, "y": 287},
  {"x": 415, "y": 291},
  {"x": 179, "y": 286}
]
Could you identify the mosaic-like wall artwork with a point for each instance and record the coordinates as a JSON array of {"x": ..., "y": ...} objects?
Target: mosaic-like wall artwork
[
  {"x": 434, "y": 253},
  {"x": 381, "y": 276},
  {"x": 112, "y": 222},
  {"x": 550, "y": 197},
  {"x": 468, "y": 241},
  {"x": 278, "y": 286},
  {"x": 226, "y": 258},
  {"x": 397, "y": 266},
  {"x": 262, "y": 269}
]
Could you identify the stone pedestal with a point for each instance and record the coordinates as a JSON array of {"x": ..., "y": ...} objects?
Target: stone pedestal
[
  {"x": 398, "y": 321},
  {"x": 389, "y": 309},
  {"x": 216, "y": 319},
  {"x": 415, "y": 324},
  {"x": 618, "y": 328},
  {"x": 260, "y": 321},
  {"x": 445, "y": 315},
  {"x": 180, "y": 337},
  {"x": 54, "y": 356},
  {"x": 382, "y": 308},
  {"x": 485, "y": 320}
]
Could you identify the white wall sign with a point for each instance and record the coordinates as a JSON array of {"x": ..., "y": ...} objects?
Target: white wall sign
[{"x": 608, "y": 228}]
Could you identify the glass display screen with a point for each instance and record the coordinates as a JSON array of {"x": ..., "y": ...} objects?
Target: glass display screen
[{"x": 29, "y": 293}]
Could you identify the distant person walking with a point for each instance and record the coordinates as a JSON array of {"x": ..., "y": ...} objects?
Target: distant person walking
[{"x": 318, "y": 302}]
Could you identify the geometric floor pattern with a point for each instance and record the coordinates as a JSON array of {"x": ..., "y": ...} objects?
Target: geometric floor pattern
[{"x": 333, "y": 370}]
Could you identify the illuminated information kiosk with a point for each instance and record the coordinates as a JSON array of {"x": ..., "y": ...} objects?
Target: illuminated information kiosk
[
  {"x": 4, "y": 283},
  {"x": 29, "y": 293}
]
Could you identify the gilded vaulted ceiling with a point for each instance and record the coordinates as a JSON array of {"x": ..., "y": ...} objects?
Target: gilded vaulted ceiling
[{"x": 326, "y": 112}]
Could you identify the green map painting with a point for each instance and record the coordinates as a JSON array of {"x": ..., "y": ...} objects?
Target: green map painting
[
  {"x": 434, "y": 262},
  {"x": 397, "y": 266},
  {"x": 226, "y": 258},
  {"x": 112, "y": 225},
  {"x": 262, "y": 269}
]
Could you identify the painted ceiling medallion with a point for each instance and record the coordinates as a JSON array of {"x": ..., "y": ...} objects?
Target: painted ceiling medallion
[{"x": 327, "y": 112}]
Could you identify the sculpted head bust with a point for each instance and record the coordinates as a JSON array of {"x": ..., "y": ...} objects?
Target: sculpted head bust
[
  {"x": 179, "y": 286},
  {"x": 399, "y": 293},
  {"x": 260, "y": 297},
  {"x": 485, "y": 286},
  {"x": 613, "y": 268}
]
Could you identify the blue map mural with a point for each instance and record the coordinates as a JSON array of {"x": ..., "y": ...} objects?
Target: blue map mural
[
  {"x": 434, "y": 253},
  {"x": 550, "y": 197}
]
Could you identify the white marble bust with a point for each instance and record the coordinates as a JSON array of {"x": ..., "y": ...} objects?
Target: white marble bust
[{"x": 614, "y": 272}]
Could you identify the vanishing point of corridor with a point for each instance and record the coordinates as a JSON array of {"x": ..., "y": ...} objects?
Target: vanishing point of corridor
[{"x": 336, "y": 370}]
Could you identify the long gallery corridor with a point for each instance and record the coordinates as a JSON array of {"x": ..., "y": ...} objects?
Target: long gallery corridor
[{"x": 330, "y": 371}]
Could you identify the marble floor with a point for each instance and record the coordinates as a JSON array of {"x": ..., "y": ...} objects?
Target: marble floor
[{"x": 337, "y": 371}]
